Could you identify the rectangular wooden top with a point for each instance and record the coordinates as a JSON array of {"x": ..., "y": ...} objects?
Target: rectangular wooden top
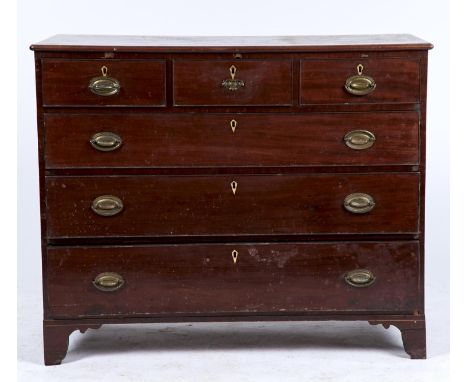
[{"x": 96, "y": 43}]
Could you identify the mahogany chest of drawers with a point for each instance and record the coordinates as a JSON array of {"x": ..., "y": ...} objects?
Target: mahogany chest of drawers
[{"x": 231, "y": 179}]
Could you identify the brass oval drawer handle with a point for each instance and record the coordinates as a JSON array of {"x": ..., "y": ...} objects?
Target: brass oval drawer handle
[
  {"x": 108, "y": 281},
  {"x": 232, "y": 83},
  {"x": 359, "y": 139},
  {"x": 105, "y": 141},
  {"x": 104, "y": 85},
  {"x": 360, "y": 278},
  {"x": 107, "y": 205},
  {"x": 360, "y": 84},
  {"x": 359, "y": 203}
]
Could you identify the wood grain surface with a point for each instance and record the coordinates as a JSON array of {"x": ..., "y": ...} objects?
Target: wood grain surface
[
  {"x": 203, "y": 279},
  {"x": 206, "y": 205},
  {"x": 397, "y": 80},
  {"x": 66, "y": 82},
  {"x": 199, "y": 82},
  {"x": 207, "y": 140}
]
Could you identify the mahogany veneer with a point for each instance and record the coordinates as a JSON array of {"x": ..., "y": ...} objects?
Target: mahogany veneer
[
  {"x": 231, "y": 179},
  {"x": 142, "y": 82},
  {"x": 205, "y": 139},
  {"x": 205, "y": 205},
  {"x": 397, "y": 80},
  {"x": 193, "y": 278},
  {"x": 196, "y": 83}
]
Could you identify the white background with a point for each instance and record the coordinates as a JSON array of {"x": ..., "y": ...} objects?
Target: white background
[{"x": 236, "y": 351}]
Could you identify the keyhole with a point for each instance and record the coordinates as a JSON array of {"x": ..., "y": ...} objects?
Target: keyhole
[
  {"x": 233, "y": 124},
  {"x": 360, "y": 68},
  {"x": 235, "y": 255},
  {"x": 104, "y": 71},
  {"x": 234, "y": 186},
  {"x": 233, "y": 70}
]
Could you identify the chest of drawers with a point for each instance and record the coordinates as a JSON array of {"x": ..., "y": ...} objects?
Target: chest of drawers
[{"x": 231, "y": 179}]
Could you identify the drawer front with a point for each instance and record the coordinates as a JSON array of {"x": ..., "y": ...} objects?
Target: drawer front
[
  {"x": 395, "y": 80},
  {"x": 217, "y": 140},
  {"x": 232, "y": 205},
  {"x": 104, "y": 82},
  {"x": 204, "y": 279},
  {"x": 245, "y": 82}
]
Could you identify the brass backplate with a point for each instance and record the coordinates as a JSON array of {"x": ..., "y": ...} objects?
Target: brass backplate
[
  {"x": 359, "y": 139},
  {"x": 104, "y": 86},
  {"x": 359, "y": 203},
  {"x": 108, "y": 281},
  {"x": 105, "y": 141},
  {"x": 107, "y": 205},
  {"x": 360, "y": 85},
  {"x": 360, "y": 278}
]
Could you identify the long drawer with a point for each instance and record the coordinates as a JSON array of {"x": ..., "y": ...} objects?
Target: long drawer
[
  {"x": 207, "y": 140},
  {"x": 233, "y": 278},
  {"x": 116, "y": 206}
]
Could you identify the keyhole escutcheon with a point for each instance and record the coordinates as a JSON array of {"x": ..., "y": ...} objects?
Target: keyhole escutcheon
[
  {"x": 233, "y": 125},
  {"x": 234, "y": 187},
  {"x": 235, "y": 256}
]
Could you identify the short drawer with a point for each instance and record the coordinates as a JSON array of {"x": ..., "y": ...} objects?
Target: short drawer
[
  {"x": 117, "y": 206},
  {"x": 233, "y": 278},
  {"x": 243, "y": 82},
  {"x": 379, "y": 80},
  {"x": 103, "y": 82},
  {"x": 225, "y": 140}
]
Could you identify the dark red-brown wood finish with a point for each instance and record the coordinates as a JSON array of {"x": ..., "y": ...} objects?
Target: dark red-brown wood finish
[
  {"x": 206, "y": 205},
  {"x": 196, "y": 82},
  {"x": 227, "y": 140},
  {"x": 322, "y": 80},
  {"x": 232, "y": 205},
  {"x": 142, "y": 82},
  {"x": 204, "y": 279}
]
